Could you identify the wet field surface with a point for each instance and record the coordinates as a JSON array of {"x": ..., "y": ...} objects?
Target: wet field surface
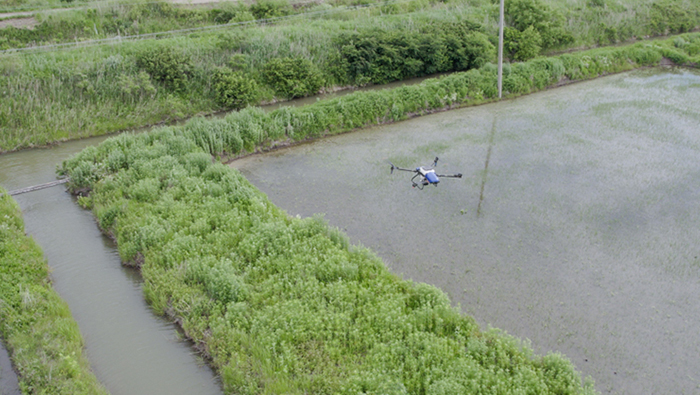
[
  {"x": 575, "y": 225},
  {"x": 131, "y": 350}
]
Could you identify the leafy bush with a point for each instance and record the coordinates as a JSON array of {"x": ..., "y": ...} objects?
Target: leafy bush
[
  {"x": 521, "y": 46},
  {"x": 135, "y": 88},
  {"x": 535, "y": 14},
  {"x": 265, "y": 9},
  {"x": 166, "y": 65},
  {"x": 234, "y": 89},
  {"x": 292, "y": 77},
  {"x": 670, "y": 16}
]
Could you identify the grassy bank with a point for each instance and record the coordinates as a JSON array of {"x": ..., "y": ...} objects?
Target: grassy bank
[
  {"x": 43, "y": 340},
  {"x": 253, "y": 129},
  {"x": 286, "y": 305},
  {"x": 59, "y": 95}
]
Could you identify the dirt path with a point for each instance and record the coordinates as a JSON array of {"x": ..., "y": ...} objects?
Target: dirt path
[{"x": 28, "y": 23}]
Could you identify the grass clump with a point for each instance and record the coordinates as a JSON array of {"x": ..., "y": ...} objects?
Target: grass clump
[
  {"x": 281, "y": 304},
  {"x": 42, "y": 338}
]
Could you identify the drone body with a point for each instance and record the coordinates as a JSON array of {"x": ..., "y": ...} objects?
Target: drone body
[{"x": 427, "y": 175}]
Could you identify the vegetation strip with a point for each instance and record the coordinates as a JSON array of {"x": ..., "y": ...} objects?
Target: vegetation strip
[
  {"x": 59, "y": 95},
  {"x": 44, "y": 341},
  {"x": 286, "y": 305}
]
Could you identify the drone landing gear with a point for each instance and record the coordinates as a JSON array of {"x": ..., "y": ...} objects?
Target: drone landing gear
[{"x": 421, "y": 184}]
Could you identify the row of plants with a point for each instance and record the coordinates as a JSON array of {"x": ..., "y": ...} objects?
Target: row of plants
[
  {"x": 57, "y": 95},
  {"x": 36, "y": 325},
  {"x": 286, "y": 305}
]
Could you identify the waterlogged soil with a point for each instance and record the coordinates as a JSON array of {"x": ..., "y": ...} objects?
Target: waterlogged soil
[
  {"x": 575, "y": 225},
  {"x": 131, "y": 350}
]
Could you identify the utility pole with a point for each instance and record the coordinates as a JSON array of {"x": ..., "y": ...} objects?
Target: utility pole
[{"x": 500, "y": 51}]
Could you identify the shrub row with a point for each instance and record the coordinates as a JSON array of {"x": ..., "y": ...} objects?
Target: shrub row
[
  {"x": 285, "y": 305},
  {"x": 253, "y": 128},
  {"x": 44, "y": 341}
]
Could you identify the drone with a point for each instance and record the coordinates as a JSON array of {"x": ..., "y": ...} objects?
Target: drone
[{"x": 427, "y": 175}]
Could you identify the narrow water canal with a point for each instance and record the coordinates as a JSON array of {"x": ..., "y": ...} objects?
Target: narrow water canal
[
  {"x": 8, "y": 378},
  {"x": 131, "y": 350},
  {"x": 125, "y": 342},
  {"x": 580, "y": 232}
]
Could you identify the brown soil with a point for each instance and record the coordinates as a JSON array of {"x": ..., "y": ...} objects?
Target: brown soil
[{"x": 27, "y": 23}]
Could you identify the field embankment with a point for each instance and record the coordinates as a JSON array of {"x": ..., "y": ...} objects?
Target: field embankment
[
  {"x": 57, "y": 95},
  {"x": 281, "y": 304},
  {"x": 253, "y": 129},
  {"x": 44, "y": 341}
]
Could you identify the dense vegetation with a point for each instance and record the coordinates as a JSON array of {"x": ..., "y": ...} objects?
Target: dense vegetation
[
  {"x": 52, "y": 96},
  {"x": 285, "y": 305},
  {"x": 36, "y": 325}
]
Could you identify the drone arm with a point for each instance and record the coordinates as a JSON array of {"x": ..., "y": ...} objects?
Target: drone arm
[
  {"x": 394, "y": 167},
  {"x": 458, "y": 175}
]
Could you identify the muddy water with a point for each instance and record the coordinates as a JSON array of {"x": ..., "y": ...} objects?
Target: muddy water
[
  {"x": 131, "y": 350},
  {"x": 8, "y": 378},
  {"x": 580, "y": 233}
]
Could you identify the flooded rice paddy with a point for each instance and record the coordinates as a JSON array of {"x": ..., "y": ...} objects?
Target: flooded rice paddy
[
  {"x": 579, "y": 232},
  {"x": 131, "y": 350}
]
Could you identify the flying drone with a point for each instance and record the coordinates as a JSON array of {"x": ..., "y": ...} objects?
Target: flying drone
[{"x": 427, "y": 175}]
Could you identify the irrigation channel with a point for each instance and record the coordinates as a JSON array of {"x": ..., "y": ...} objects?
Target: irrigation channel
[
  {"x": 579, "y": 232},
  {"x": 131, "y": 350}
]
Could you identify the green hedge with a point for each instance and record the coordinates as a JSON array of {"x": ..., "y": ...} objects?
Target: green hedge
[{"x": 44, "y": 341}]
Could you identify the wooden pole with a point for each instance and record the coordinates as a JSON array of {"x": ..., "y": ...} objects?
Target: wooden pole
[
  {"x": 37, "y": 187},
  {"x": 500, "y": 51}
]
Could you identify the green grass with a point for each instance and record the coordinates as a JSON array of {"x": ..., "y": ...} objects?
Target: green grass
[
  {"x": 42, "y": 338},
  {"x": 50, "y": 96}
]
